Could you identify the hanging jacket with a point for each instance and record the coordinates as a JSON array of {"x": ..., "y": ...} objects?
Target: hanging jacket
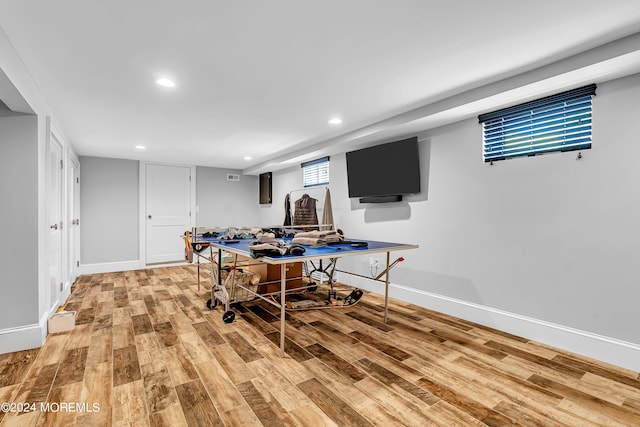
[
  {"x": 327, "y": 213},
  {"x": 305, "y": 211},
  {"x": 287, "y": 210}
]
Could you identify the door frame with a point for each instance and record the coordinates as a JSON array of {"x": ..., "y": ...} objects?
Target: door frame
[
  {"x": 142, "y": 240},
  {"x": 72, "y": 215},
  {"x": 55, "y": 300}
]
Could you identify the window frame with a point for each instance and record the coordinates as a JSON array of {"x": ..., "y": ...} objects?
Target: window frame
[
  {"x": 315, "y": 172},
  {"x": 556, "y": 123}
]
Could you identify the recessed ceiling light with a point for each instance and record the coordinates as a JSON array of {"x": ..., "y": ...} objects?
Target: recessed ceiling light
[
  {"x": 164, "y": 82},
  {"x": 335, "y": 121},
  {"x": 247, "y": 157},
  {"x": 141, "y": 147}
]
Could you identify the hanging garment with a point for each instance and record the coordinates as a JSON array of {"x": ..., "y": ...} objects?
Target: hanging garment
[
  {"x": 287, "y": 210},
  {"x": 305, "y": 211},
  {"x": 327, "y": 213}
]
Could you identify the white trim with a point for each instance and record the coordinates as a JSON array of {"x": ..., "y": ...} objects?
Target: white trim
[
  {"x": 23, "y": 337},
  {"x": 142, "y": 209},
  {"x": 110, "y": 267},
  {"x": 64, "y": 295},
  {"x": 142, "y": 242},
  {"x": 194, "y": 211},
  {"x": 44, "y": 326},
  {"x": 43, "y": 229},
  {"x": 53, "y": 137},
  {"x": 71, "y": 258},
  {"x": 610, "y": 350}
]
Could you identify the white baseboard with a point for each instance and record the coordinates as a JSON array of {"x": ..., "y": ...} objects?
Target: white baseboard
[
  {"x": 110, "y": 267},
  {"x": 23, "y": 337},
  {"x": 44, "y": 326},
  {"x": 606, "y": 349}
]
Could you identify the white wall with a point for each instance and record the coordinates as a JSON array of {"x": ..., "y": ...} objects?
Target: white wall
[
  {"x": 226, "y": 203},
  {"x": 548, "y": 237},
  {"x": 543, "y": 247},
  {"x": 20, "y": 93},
  {"x": 290, "y": 181},
  {"x": 109, "y": 201},
  {"x": 18, "y": 221}
]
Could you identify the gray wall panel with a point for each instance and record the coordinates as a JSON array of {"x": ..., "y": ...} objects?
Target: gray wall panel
[
  {"x": 549, "y": 238},
  {"x": 226, "y": 203},
  {"x": 109, "y": 206},
  {"x": 18, "y": 221}
]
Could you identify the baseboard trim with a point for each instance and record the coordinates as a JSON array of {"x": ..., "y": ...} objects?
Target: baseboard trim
[
  {"x": 23, "y": 337},
  {"x": 44, "y": 326},
  {"x": 110, "y": 267},
  {"x": 610, "y": 350}
]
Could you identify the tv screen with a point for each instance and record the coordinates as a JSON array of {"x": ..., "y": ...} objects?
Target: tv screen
[{"x": 384, "y": 170}]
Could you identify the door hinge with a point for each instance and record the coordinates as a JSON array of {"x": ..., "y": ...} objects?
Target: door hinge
[
  {"x": 77, "y": 180},
  {"x": 77, "y": 263},
  {"x": 189, "y": 213},
  {"x": 189, "y": 178},
  {"x": 61, "y": 164},
  {"x": 61, "y": 286}
]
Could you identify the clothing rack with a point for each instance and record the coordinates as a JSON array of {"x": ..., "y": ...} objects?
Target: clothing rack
[
  {"x": 308, "y": 190},
  {"x": 300, "y": 226},
  {"x": 320, "y": 198},
  {"x": 320, "y": 270}
]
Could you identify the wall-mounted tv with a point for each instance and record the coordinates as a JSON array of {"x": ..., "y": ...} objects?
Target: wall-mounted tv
[{"x": 383, "y": 173}]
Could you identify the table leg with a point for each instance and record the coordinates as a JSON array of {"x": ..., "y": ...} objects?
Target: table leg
[
  {"x": 283, "y": 287},
  {"x": 386, "y": 290},
  {"x": 219, "y": 266}
]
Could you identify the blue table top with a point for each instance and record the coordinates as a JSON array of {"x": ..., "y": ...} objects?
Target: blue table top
[{"x": 241, "y": 247}]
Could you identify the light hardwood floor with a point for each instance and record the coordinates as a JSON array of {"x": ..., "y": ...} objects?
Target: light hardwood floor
[{"x": 147, "y": 351}]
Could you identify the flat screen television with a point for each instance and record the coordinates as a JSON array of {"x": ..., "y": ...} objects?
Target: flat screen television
[{"x": 383, "y": 173}]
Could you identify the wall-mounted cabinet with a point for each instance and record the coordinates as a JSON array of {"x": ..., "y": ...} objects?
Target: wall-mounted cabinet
[{"x": 265, "y": 188}]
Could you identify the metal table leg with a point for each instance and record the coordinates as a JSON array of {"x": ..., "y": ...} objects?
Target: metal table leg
[
  {"x": 386, "y": 290},
  {"x": 283, "y": 287}
]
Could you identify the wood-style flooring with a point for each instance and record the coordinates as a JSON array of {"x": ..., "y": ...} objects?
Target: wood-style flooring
[{"x": 147, "y": 352}]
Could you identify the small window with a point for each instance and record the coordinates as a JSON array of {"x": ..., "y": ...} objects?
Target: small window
[
  {"x": 559, "y": 122},
  {"x": 315, "y": 172}
]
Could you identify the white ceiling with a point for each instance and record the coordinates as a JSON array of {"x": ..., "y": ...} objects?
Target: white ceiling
[{"x": 262, "y": 78}]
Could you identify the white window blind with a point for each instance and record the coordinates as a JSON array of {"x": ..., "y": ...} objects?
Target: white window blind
[
  {"x": 560, "y": 122},
  {"x": 315, "y": 172}
]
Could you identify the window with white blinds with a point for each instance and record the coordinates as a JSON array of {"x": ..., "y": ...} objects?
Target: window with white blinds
[
  {"x": 315, "y": 172},
  {"x": 560, "y": 122}
]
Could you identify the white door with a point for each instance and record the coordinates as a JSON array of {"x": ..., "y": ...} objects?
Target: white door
[
  {"x": 168, "y": 212},
  {"x": 55, "y": 222},
  {"x": 73, "y": 182}
]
